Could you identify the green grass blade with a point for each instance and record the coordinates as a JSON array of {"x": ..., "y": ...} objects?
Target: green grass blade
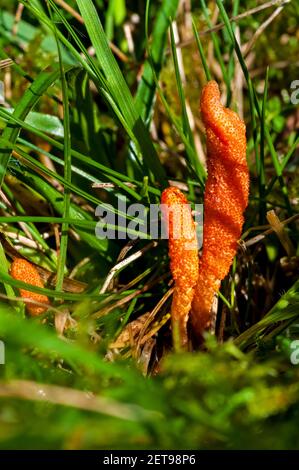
[
  {"x": 105, "y": 78},
  {"x": 33, "y": 335},
  {"x": 200, "y": 173},
  {"x": 54, "y": 197},
  {"x": 77, "y": 222},
  {"x": 147, "y": 87},
  {"x": 35, "y": 164},
  {"x": 4, "y": 268},
  {"x": 118, "y": 87},
  {"x": 262, "y": 182},
  {"x": 255, "y": 107},
  {"x": 180, "y": 88},
  {"x": 216, "y": 43},
  {"x": 111, "y": 174},
  {"x": 185, "y": 120},
  {"x": 284, "y": 162},
  {"x": 201, "y": 52},
  {"x": 231, "y": 60},
  {"x": 285, "y": 310},
  {"x": 61, "y": 262},
  {"x": 190, "y": 149},
  {"x": 44, "y": 80}
]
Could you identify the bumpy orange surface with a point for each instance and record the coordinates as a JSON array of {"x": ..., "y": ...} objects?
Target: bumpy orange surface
[
  {"x": 183, "y": 253},
  {"x": 22, "y": 270},
  {"x": 225, "y": 199}
]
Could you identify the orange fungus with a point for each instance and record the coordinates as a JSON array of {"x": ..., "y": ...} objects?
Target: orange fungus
[
  {"x": 22, "y": 270},
  {"x": 183, "y": 253},
  {"x": 225, "y": 199}
]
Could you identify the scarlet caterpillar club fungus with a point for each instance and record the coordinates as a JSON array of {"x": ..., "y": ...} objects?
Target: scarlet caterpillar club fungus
[
  {"x": 183, "y": 253},
  {"x": 225, "y": 199},
  {"x": 22, "y": 270}
]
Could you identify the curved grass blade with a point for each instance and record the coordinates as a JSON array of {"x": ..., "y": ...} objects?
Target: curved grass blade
[
  {"x": 109, "y": 173},
  {"x": 118, "y": 87},
  {"x": 40, "y": 85},
  {"x": 146, "y": 90},
  {"x": 33, "y": 335},
  {"x": 284, "y": 311},
  {"x": 61, "y": 262},
  {"x": 255, "y": 108},
  {"x": 76, "y": 213},
  {"x": 201, "y": 52},
  {"x": 216, "y": 43},
  {"x": 190, "y": 148}
]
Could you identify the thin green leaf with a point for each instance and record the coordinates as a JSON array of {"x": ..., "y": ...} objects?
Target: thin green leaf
[
  {"x": 201, "y": 52},
  {"x": 118, "y": 87},
  {"x": 285, "y": 310},
  {"x": 61, "y": 263},
  {"x": 145, "y": 95},
  {"x": 255, "y": 107},
  {"x": 44, "y": 80}
]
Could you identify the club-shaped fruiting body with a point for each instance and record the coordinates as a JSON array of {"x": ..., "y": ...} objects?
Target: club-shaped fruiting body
[
  {"x": 225, "y": 199},
  {"x": 22, "y": 270},
  {"x": 183, "y": 253}
]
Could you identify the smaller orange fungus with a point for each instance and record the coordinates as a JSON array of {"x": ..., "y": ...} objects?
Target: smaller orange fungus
[
  {"x": 22, "y": 270},
  {"x": 183, "y": 253}
]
